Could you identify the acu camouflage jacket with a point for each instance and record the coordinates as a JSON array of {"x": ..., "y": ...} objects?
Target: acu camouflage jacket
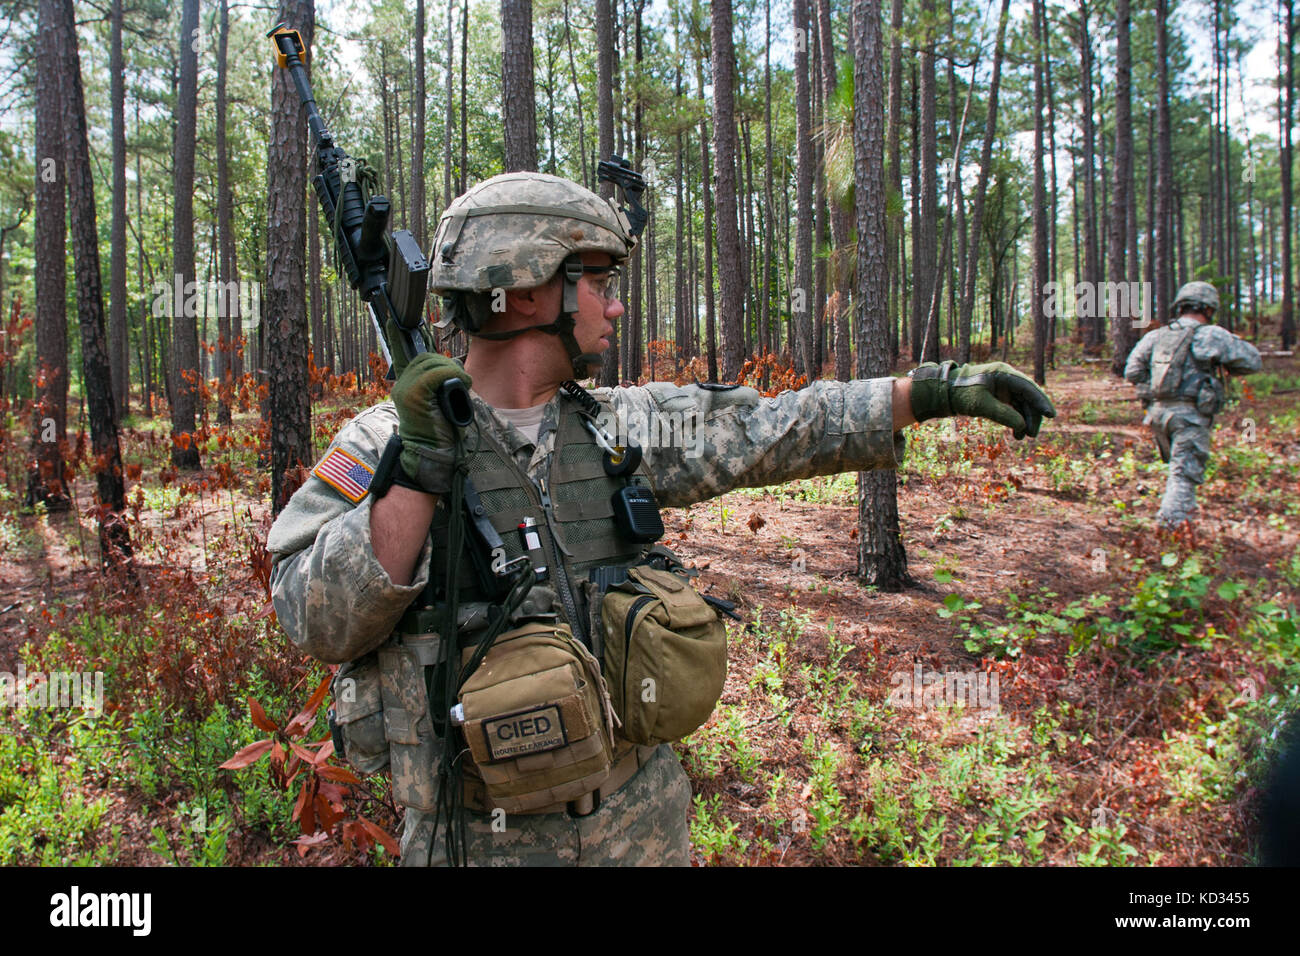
[
  {"x": 1212, "y": 347},
  {"x": 337, "y": 603}
]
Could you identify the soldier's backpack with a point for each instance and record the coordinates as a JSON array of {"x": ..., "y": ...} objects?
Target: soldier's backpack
[{"x": 1168, "y": 359}]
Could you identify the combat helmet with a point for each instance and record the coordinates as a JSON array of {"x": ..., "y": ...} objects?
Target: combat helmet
[
  {"x": 1203, "y": 295},
  {"x": 515, "y": 231}
]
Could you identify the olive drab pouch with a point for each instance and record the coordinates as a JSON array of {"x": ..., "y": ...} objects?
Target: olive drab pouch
[
  {"x": 1210, "y": 396},
  {"x": 357, "y": 718},
  {"x": 537, "y": 719},
  {"x": 665, "y": 655}
]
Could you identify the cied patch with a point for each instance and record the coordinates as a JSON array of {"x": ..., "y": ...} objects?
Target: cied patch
[{"x": 526, "y": 732}]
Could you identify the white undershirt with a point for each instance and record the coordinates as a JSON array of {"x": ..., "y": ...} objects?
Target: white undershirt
[{"x": 527, "y": 420}]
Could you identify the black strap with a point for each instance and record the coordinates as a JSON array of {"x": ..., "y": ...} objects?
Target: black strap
[
  {"x": 450, "y": 811},
  {"x": 390, "y": 471}
]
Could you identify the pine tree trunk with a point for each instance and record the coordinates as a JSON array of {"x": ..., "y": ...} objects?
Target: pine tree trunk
[
  {"x": 1230, "y": 208},
  {"x": 146, "y": 335},
  {"x": 117, "y": 332},
  {"x": 1122, "y": 334},
  {"x": 1091, "y": 268},
  {"x": 577, "y": 93},
  {"x": 448, "y": 182},
  {"x": 314, "y": 289},
  {"x": 1164, "y": 168},
  {"x": 50, "y": 409},
  {"x": 1288, "y": 300},
  {"x": 637, "y": 270},
  {"x": 97, "y": 375},
  {"x": 185, "y": 336},
  {"x": 679, "y": 248},
  {"x": 945, "y": 246},
  {"x": 819, "y": 202},
  {"x": 605, "y": 128},
  {"x": 897, "y": 294},
  {"x": 1269, "y": 261},
  {"x": 882, "y": 562},
  {"x": 1133, "y": 257},
  {"x": 285, "y": 317},
  {"x": 463, "y": 183},
  {"x": 925, "y": 263},
  {"x": 769, "y": 250},
  {"x": 840, "y": 217},
  {"x": 1179, "y": 237},
  {"x": 957, "y": 214},
  {"x": 386, "y": 111},
  {"x": 548, "y": 87},
  {"x": 692, "y": 298},
  {"x": 398, "y": 115},
  {"x": 1150, "y": 264},
  {"x": 652, "y": 294},
  {"x": 801, "y": 295},
  {"x": 1053, "y": 243},
  {"x": 730, "y": 292},
  {"x": 1038, "y": 296},
  {"x": 1104, "y": 204},
  {"x": 226, "y": 328},
  {"x": 1251, "y": 257},
  {"x": 517, "y": 96},
  {"x": 418, "y": 203},
  {"x": 750, "y": 244},
  {"x": 981, "y": 190},
  {"x": 710, "y": 218},
  {"x": 918, "y": 310}
]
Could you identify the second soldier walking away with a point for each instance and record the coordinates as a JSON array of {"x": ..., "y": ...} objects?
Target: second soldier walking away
[{"x": 1178, "y": 372}]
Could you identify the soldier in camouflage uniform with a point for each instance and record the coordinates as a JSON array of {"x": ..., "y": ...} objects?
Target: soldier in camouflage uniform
[
  {"x": 528, "y": 265},
  {"x": 1176, "y": 369}
]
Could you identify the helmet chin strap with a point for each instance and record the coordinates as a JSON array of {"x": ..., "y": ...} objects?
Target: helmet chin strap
[{"x": 564, "y": 324}]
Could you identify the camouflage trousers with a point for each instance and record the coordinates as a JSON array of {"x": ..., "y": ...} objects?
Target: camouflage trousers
[
  {"x": 643, "y": 823},
  {"x": 1189, "y": 450}
]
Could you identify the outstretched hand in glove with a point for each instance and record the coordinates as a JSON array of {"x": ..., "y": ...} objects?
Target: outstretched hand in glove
[{"x": 995, "y": 391}]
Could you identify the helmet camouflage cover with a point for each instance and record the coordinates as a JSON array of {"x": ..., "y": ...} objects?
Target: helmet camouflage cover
[
  {"x": 515, "y": 230},
  {"x": 1201, "y": 294}
]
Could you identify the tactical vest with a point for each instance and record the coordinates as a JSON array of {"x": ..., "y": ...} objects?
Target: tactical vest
[
  {"x": 573, "y": 516},
  {"x": 571, "y": 511}
]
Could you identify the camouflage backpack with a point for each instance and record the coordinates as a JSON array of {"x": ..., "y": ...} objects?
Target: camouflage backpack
[{"x": 1168, "y": 360}]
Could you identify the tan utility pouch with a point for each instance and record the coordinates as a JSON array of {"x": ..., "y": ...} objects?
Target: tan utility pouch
[
  {"x": 359, "y": 714},
  {"x": 538, "y": 720},
  {"x": 665, "y": 656}
]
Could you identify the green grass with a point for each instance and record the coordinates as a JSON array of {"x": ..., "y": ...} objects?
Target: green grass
[
  {"x": 839, "y": 489},
  {"x": 45, "y": 816}
]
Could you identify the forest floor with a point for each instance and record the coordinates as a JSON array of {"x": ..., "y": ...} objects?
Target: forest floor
[{"x": 1060, "y": 684}]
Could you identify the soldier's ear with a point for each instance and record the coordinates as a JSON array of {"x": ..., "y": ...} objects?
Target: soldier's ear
[
  {"x": 530, "y": 302},
  {"x": 522, "y": 301}
]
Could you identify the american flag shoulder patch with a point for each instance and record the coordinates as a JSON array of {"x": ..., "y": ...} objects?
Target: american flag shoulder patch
[{"x": 347, "y": 475}]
